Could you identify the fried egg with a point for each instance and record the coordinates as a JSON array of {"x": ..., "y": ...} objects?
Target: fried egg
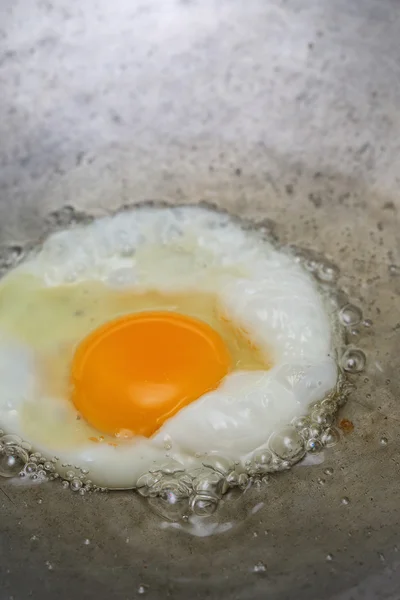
[{"x": 158, "y": 334}]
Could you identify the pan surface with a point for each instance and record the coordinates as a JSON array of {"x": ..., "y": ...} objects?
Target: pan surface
[{"x": 282, "y": 111}]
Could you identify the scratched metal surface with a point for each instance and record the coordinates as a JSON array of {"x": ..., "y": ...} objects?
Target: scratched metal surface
[{"x": 283, "y": 110}]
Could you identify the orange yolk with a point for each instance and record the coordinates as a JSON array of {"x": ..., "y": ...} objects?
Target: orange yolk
[{"x": 135, "y": 372}]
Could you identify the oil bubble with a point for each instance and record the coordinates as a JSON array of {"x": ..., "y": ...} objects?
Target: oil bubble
[
  {"x": 261, "y": 462},
  {"x": 353, "y": 360},
  {"x": 30, "y": 467},
  {"x": 315, "y": 430},
  {"x": 330, "y": 437},
  {"x": 260, "y": 567},
  {"x": 203, "y": 504},
  {"x": 142, "y": 589},
  {"x": 287, "y": 444},
  {"x": 232, "y": 479},
  {"x": 322, "y": 417},
  {"x": 75, "y": 484},
  {"x": 243, "y": 481},
  {"x": 350, "y": 315},
  {"x": 301, "y": 422},
  {"x": 327, "y": 272},
  {"x": 314, "y": 446},
  {"x": 12, "y": 461},
  {"x": 11, "y": 440},
  {"x": 219, "y": 464}
]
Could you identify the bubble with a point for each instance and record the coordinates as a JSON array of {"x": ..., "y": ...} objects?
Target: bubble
[
  {"x": 313, "y": 446},
  {"x": 328, "y": 471},
  {"x": 329, "y": 557},
  {"x": 169, "y": 468},
  {"x": 48, "y": 466},
  {"x": 301, "y": 423},
  {"x": 260, "y": 462},
  {"x": 353, "y": 360},
  {"x": 350, "y": 315},
  {"x": 30, "y": 467},
  {"x": 11, "y": 440},
  {"x": 260, "y": 567},
  {"x": 383, "y": 441},
  {"x": 367, "y": 323},
  {"x": 203, "y": 505},
  {"x": 86, "y": 542},
  {"x": 65, "y": 485},
  {"x": 305, "y": 433},
  {"x": 12, "y": 461},
  {"x": 327, "y": 272},
  {"x": 328, "y": 405},
  {"x": 322, "y": 416},
  {"x": 142, "y": 589},
  {"x": 287, "y": 444},
  {"x": 70, "y": 475},
  {"x": 345, "y": 500},
  {"x": 49, "y": 565},
  {"x": 232, "y": 479},
  {"x": 315, "y": 430},
  {"x": 330, "y": 437},
  {"x": 219, "y": 464},
  {"x": 321, "y": 481},
  {"x": 243, "y": 480},
  {"x": 75, "y": 484},
  {"x": 211, "y": 483}
]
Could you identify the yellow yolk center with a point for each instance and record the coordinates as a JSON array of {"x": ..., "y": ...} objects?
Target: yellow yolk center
[{"x": 135, "y": 372}]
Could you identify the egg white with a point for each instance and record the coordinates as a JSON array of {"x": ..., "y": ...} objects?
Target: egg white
[{"x": 260, "y": 288}]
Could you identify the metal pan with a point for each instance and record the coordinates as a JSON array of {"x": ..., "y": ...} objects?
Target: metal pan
[{"x": 280, "y": 111}]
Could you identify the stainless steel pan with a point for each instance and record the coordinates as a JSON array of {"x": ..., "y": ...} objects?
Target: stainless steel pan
[{"x": 279, "y": 110}]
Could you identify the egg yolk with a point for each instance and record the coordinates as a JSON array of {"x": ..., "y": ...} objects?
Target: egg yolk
[{"x": 135, "y": 372}]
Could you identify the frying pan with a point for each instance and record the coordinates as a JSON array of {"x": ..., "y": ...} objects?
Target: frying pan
[{"x": 284, "y": 112}]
